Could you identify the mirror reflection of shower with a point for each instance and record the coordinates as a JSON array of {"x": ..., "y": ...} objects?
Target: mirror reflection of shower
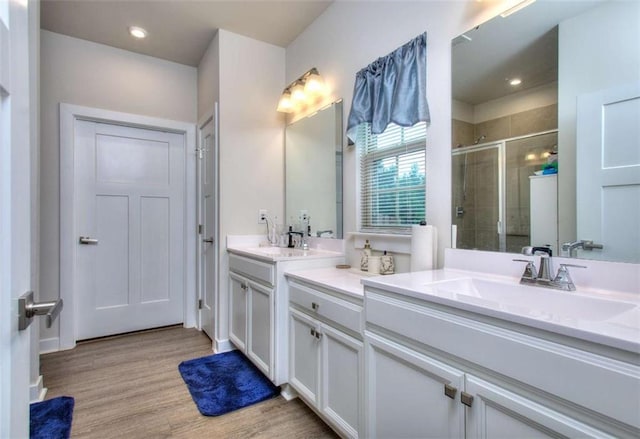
[{"x": 492, "y": 190}]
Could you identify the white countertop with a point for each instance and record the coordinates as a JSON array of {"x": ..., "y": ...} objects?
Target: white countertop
[
  {"x": 273, "y": 254},
  {"x": 611, "y": 319},
  {"x": 345, "y": 281}
]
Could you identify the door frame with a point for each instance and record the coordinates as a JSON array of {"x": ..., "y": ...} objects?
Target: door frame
[
  {"x": 68, "y": 115},
  {"x": 211, "y": 115}
]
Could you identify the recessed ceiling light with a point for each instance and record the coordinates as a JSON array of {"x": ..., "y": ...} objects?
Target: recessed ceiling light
[
  {"x": 515, "y": 81},
  {"x": 137, "y": 32}
]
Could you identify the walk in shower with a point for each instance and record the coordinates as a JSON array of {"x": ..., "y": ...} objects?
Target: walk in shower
[{"x": 491, "y": 191}]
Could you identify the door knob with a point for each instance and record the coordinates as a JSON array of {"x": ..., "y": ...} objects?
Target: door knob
[
  {"x": 86, "y": 240},
  {"x": 27, "y": 309}
]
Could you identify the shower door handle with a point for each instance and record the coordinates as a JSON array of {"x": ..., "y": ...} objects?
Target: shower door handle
[{"x": 499, "y": 227}]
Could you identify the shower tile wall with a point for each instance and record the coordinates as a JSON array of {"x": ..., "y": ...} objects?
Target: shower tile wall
[{"x": 517, "y": 124}]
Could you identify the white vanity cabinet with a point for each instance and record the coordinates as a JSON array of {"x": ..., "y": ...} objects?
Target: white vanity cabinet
[
  {"x": 259, "y": 303},
  {"x": 251, "y": 319},
  {"x": 326, "y": 354},
  {"x": 436, "y": 371}
]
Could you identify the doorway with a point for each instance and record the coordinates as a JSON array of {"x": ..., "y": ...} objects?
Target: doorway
[{"x": 127, "y": 200}]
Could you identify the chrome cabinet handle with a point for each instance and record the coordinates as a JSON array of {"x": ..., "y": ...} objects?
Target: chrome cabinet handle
[
  {"x": 244, "y": 286},
  {"x": 86, "y": 240},
  {"x": 315, "y": 306},
  {"x": 466, "y": 399},
  {"x": 208, "y": 240},
  {"x": 450, "y": 391},
  {"x": 27, "y": 309}
]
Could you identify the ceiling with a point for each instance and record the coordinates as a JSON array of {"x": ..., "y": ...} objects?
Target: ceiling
[
  {"x": 523, "y": 45},
  {"x": 178, "y": 30}
]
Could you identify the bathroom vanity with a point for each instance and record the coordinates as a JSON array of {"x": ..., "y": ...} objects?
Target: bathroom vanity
[
  {"x": 326, "y": 354},
  {"x": 259, "y": 300},
  {"x": 453, "y": 353}
]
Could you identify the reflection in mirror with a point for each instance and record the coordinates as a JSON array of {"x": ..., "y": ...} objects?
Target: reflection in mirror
[
  {"x": 313, "y": 172},
  {"x": 515, "y": 147}
]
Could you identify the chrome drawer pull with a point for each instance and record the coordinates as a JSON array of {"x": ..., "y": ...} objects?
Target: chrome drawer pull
[
  {"x": 450, "y": 391},
  {"x": 315, "y": 306},
  {"x": 466, "y": 399}
]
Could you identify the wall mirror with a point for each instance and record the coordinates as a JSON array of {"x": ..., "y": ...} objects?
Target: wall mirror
[
  {"x": 553, "y": 86},
  {"x": 313, "y": 171}
]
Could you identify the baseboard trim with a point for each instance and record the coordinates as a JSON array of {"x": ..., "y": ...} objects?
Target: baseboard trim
[
  {"x": 37, "y": 391},
  {"x": 49, "y": 345},
  {"x": 221, "y": 346}
]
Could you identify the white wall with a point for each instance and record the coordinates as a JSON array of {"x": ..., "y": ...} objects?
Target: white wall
[
  {"x": 84, "y": 73},
  {"x": 209, "y": 78},
  {"x": 251, "y": 168},
  {"x": 350, "y": 35},
  {"x": 516, "y": 103},
  {"x": 597, "y": 50}
]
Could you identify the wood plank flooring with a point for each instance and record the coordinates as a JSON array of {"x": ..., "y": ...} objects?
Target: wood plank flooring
[{"x": 129, "y": 387}]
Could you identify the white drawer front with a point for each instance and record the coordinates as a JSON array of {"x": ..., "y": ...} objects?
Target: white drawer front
[
  {"x": 258, "y": 270},
  {"x": 320, "y": 304}
]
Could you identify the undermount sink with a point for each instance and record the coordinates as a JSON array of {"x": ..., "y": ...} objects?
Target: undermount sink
[
  {"x": 282, "y": 251},
  {"x": 535, "y": 302}
]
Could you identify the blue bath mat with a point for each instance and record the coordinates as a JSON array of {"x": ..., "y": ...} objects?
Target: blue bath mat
[
  {"x": 225, "y": 382},
  {"x": 51, "y": 419}
]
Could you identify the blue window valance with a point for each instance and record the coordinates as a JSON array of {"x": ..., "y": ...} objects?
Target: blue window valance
[{"x": 392, "y": 89}]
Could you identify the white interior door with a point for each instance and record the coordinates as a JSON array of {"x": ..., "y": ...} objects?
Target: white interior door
[
  {"x": 608, "y": 173},
  {"x": 129, "y": 269},
  {"x": 15, "y": 221},
  {"x": 207, "y": 230}
]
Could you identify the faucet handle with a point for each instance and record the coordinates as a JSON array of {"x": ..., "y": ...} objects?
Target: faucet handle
[
  {"x": 563, "y": 280},
  {"x": 529, "y": 274}
]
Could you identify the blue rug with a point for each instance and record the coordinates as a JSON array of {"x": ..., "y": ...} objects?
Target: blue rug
[
  {"x": 51, "y": 419},
  {"x": 225, "y": 382}
]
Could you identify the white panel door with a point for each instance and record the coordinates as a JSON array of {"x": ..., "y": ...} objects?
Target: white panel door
[
  {"x": 15, "y": 217},
  {"x": 499, "y": 414},
  {"x": 260, "y": 343},
  {"x": 208, "y": 247},
  {"x": 129, "y": 190},
  {"x": 238, "y": 292},
  {"x": 304, "y": 356},
  {"x": 406, "y": 393},
  {"x": 341, "y": 396},
  {"x": 608, "y": 173}
]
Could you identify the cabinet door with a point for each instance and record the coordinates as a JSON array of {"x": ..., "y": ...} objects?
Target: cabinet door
[
  {"x": 260, "y": 343},
  {"x": 341, "y": 380},
  {"x": 238, "y": 289},
  {"x": 304, "y": 356},
  {"x": 498, "y": 413},
  {"x": 405, "y": 393}
]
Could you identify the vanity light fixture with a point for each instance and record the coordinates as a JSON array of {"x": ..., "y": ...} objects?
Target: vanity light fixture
[
  {"x": 516, "y": 8},
  {"x": 304, "y": 89},
  {"x": 137, "y": 32}
]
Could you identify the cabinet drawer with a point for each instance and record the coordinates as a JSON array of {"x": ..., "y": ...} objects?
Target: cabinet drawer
[
  {"x": 320, "y": 304},
  {"x": 258, "y": 270}
]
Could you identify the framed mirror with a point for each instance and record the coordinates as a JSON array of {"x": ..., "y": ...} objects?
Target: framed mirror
[
  {"x": 543, "y": 104},
  {"x": 313, "y": 172}
]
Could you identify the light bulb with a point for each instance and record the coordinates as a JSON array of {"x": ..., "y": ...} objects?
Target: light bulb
[
  {"x": 137, "y": 32},
  {"x": 297, "y": 93},
  {"x": 314, "y": 84},
  {"x": 285, "y": 105}
]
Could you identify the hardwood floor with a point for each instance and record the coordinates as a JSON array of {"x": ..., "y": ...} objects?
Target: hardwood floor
[{"x": 129, "y": 387}]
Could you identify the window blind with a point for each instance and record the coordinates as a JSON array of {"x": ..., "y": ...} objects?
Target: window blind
[{"x": 392, "y": 177}]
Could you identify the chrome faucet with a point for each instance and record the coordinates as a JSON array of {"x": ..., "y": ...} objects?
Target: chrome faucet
[
  {"x": 562, "y": 280},
  {"x": 303, "y": 241},
  {"x": 571, "y": 248}
]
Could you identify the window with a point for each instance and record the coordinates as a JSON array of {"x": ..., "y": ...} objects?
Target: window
[{"x": 392, "y": 177}]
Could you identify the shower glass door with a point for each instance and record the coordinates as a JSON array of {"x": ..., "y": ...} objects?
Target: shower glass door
[{"x": 477, "y": 198}]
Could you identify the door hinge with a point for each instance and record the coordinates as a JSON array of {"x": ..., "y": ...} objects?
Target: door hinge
[
  {"x": 199, "y": 303},
  {"x": 200, "y": 227}
]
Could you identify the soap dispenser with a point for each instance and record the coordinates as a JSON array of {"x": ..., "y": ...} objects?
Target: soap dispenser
[
  {"x": 364, "y": 260},
  {"x": 386, "y": 264}
]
